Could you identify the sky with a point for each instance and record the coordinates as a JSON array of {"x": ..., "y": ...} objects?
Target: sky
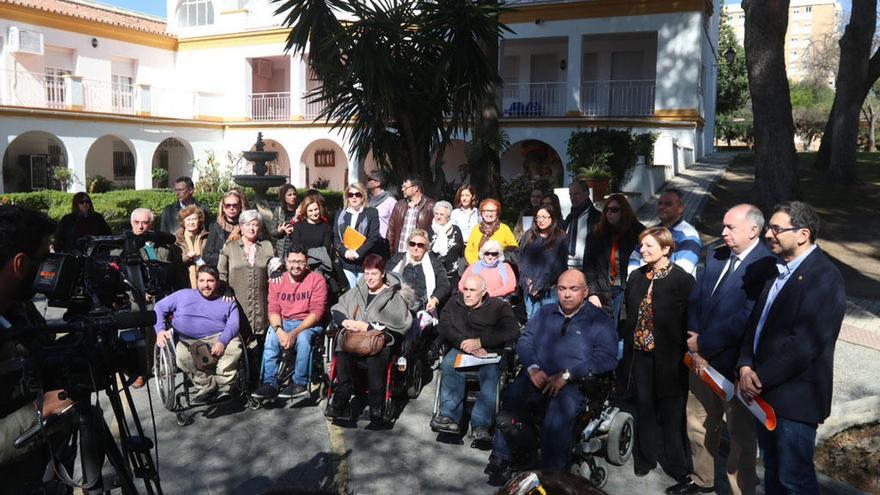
[{"x": 154, "y": 7}]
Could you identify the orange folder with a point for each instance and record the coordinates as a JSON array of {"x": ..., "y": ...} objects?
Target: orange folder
[{"x": 352, "y": 239}]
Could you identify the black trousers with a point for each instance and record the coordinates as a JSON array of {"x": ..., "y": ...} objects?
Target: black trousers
[
  {"x": 669, "y": 410},
  {"x": 377, "y": 367}
]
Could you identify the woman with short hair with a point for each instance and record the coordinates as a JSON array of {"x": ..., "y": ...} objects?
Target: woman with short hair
[
  {"x": 447, "y": 242},
  {"x": 490, "y": 228},
  {"x": 243, "y": 264},
  {"x": 355, "y": 214},
  {"x": 421, "y": 271},
  {"x": 499, "y": 276},
  {"x": 191, "y": 237}
]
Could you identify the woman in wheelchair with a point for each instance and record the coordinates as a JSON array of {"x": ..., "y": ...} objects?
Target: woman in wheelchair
[
  {"x": 375, "y": 303},
  {"x": 206, "y": 327},
  {"x": 499, "y": 276},
  {"x": 422, "y": 272}
]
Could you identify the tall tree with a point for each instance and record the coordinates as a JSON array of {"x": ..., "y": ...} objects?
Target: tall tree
[
  {"x": 398, "y": 78},
  {"x": 733, "y": 79},
  {"x": 856, "y": 75},
  {"x": 775, "y": 161}
]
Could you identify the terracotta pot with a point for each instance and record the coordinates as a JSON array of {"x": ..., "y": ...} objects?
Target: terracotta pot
[{"x": 599, "y": 187}]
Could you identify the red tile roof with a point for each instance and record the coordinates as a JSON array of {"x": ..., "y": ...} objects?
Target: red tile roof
[{"x": 98, "y": 13}]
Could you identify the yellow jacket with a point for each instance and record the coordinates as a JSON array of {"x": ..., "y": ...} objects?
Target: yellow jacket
[{"x": 503, "y": 235}]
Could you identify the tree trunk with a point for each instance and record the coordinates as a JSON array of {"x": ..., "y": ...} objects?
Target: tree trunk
[
  {"x": 776, "y": 176},
  {"x": 872, "y": 138}
]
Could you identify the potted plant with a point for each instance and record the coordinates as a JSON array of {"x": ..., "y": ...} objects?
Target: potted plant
[{"x": 597, "y": 176}]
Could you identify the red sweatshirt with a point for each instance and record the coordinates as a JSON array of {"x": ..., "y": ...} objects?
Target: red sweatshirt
[{"x": 295, "y": 300}]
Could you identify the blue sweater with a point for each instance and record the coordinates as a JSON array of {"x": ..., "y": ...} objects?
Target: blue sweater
[
  {"x": 588, "y": 346},
  {"x": 541, "y": 266},
  {"x": 196, "y": 317},
  {"x": 686, "y": 253}
]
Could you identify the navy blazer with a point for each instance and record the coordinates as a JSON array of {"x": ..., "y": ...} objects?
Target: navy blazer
[
  {"x": 795, "y": 354},
  {"x": 589, "y": 344},
  {"x": 722, "y": 318}
]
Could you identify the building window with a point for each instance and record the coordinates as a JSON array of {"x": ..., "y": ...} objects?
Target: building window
[
  {"x": 796, "y": 11},
  {"x": 325, "y": 158},
  {"x": 195, "y": 13},
  {"x": 55, "y": 85},
  {"x": 123, "y": 162},
  {"x": 808, "y": 9},
  {"x": 122, "y": 93}
]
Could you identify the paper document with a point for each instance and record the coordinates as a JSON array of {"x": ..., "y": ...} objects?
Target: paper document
[
  {"x": 352, "y": 239},
  {"x": 468, "y": 361}
]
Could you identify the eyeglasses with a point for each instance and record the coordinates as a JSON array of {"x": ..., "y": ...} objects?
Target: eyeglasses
[
  {"x": 232, "y": 205},
  {"x": 776, "y": 229},
  {"x": 298, "y": 263},
  {"x": 355, "y": 195},
  {"x": 420, "y": 245},
  {"x": 613, "y": 209},
  {"x": 491, "y": 253}
]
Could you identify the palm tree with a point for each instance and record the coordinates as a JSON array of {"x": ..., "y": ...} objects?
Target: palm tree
[{"x": 400, "y": 78}]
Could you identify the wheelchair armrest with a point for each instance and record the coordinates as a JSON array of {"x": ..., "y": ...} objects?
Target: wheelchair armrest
[{"x": 332, "y": 329}]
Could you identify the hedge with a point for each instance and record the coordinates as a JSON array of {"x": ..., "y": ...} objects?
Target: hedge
[{"x": 116, "y": 206}]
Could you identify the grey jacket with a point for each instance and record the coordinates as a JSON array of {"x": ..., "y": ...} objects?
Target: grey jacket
[{"x": 387, "y": 307}]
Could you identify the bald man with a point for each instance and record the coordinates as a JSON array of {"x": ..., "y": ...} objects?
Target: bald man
[
  {"x": 562, "y": 345},
  {"x": 472, "y": 323}
]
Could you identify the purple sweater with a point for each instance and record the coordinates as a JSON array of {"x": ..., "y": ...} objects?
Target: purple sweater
[{"x": 196, "y": 317}]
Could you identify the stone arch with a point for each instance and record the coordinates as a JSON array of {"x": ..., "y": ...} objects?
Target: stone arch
[
  {"x": 174, "y": 155},
  {"x": 535, "y": 158},
  {"x": 29, "y": 161},
  {"x": 326, "y": 160},
  {"x": 112, "y": 157}
]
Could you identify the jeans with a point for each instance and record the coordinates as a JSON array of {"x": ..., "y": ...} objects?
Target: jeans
[
  {"x": 787, "y": 453},
  {"x": 272, "y": 353},
  {"x": 352, "y": 276},
  {"x": 452, "y": 392},
  {"x": 616, "y": 303},
  {"x": 533, "y": 305},
  {"x": 560, "y": 418}
]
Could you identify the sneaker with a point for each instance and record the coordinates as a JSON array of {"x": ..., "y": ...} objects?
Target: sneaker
[
  {"x": 687, "y": 487},
  {"x": 265, "y": 391},
  {"x": 481, "y": 434},
  {"x": 204, "y": 397},
  {"x": 444, "y": 424},
  {"x": 224, "y": 395},
  {"x": 292, "y": 391}
]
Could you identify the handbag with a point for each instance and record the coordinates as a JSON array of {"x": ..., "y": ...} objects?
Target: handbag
[
  {"x": 202, "y": 357},
  {"x": 367, "y": 343}
]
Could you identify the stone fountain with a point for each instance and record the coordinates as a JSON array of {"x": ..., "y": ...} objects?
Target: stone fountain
[{"x": 260, "y": 182}]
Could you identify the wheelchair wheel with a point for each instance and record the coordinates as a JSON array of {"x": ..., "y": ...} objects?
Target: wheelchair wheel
[
  {"x": 599, "y": 476},
  {"x": 244, "y": 372},
  {"x": 164, "y": 371},
  {"x": 416, "y": 376},
  {"x": 620, "y": 439}
]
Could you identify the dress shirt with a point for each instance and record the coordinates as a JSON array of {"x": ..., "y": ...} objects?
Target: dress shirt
[
  {"x": 785, "y": 271},
  {"x": 738, "y": 259}
]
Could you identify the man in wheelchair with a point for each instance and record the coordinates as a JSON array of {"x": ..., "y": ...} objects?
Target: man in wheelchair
[
  {"x": 561, "y": 346},
  {"x": 375, "y": 303},
  {"x": 472, "y": 324},
  {"x": 206, "y": 326},
  {"x": 296, "y": 306}
]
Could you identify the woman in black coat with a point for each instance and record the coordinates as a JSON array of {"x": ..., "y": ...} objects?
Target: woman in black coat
[
  {"x": 609, "y": 245},
  {"x": 82, "y": 221},
  {"x": 365, "y": 220},
  {"x": 656, "y": 333},
  {"x": 447, "y": 243}
]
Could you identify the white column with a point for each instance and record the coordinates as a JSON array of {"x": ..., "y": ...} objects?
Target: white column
[
  {"x": 573, "y": 74},
  {"x": 297, "y": 86},
  {"x": 143, "y": 160},
  {"x": 144, "y": 102}
]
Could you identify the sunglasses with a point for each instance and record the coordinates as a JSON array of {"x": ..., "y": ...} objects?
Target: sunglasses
[
  {"x": 85, "y": 201},
  {"x": 491, "y": 253},
  {"x": 355, "y": 195},
  {"x": 420, "y": 245},
  {"x": 232, "y": 205}
]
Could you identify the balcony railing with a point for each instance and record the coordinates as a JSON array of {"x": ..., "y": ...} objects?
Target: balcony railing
[
  {"x": 313, "y": 108},
  {"x": 30, "y": 89},
  {"x": 269, "y": 106},
  {"x": 539, "y": 99},
  {"x": 626, "y": 98}
]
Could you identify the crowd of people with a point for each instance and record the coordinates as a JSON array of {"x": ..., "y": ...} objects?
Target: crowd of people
[{"x": 590, "y": 293}]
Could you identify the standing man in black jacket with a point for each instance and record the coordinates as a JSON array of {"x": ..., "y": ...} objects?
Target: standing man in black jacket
[
  {"x": 183, "y": 189},
  {"x": 472, "y": 323},
  {"x": 787, "y": 356},
  {"x": 718, "y": 315}
]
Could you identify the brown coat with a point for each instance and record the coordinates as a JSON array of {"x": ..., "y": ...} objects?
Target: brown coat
[
  {"x": 190, "y": 263},
  {"x": 250, "y": 283},
  {"x": 423, "y": 219}
]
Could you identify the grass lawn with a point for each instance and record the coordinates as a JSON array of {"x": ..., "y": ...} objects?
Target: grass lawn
[{"x": 850, "y": 231}]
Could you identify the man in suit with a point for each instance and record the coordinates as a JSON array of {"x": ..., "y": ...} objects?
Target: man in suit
[
  {"x": 787, "y": 356},
  {"x": 718, "y": 315},
  {"x": 561, "y": 346},
  {"x": 183, "y": 189}
]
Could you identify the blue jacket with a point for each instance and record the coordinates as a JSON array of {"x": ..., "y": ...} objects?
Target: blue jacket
[
  {"x": 795, "y": 354},
  {"x": 589, "y": 344},
  {"x": 722, "y": 318}
]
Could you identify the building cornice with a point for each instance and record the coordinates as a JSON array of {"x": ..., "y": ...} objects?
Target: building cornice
[
  {"x": 55, "y": 20},
  {"x": 225, "y": 40},
  {"x": 600, "y": 8},
  {"x": 43, "y": 113}
]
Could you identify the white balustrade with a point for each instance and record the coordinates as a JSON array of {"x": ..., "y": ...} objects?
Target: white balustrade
[
  {"x": 538, "y": 99},
  {"x": 269, "y": 106},
  {"x": 622, "y": 98}
]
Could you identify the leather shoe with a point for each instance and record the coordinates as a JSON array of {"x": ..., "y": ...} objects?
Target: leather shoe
[
  {"x": 688, "y": 487},
  {"x": 443, "y": 424}
]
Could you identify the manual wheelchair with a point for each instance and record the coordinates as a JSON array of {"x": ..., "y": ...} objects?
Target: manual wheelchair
[
  {"x": 318, "y": 380},
  {"x": 174, "y": 386}
]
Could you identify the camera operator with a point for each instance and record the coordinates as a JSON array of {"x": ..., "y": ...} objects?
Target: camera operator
[{"x": 24, "y": 242}]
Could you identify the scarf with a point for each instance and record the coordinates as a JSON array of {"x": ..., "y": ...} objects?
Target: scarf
[
  {"x": 427, "y": 269},
  {"x": 488, "y": 230},
  {"x": 481, "y": 265},
  {"x": 374, "y": 202},
  {"x": 441, "y": 237},
  {"x": 232, "y": 228}
]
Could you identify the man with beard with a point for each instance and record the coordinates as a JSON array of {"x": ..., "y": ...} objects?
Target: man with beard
[{"x": 24, "y": 243}]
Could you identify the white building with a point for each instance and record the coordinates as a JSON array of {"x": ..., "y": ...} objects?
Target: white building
[{"x": 114, "y": 93}]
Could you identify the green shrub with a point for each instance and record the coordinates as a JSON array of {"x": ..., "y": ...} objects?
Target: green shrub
[
  {"x": 613, "y": 148},
  {"x": 98, "y": 184}
]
